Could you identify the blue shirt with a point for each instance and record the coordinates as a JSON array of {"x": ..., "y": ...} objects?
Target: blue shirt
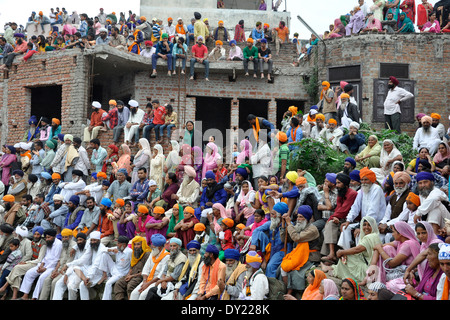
[
  {"x": 298, "y": 136},
  {"x": 257, "y": 35}
]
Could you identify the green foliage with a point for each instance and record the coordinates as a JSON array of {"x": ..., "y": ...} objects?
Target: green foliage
[
  {"x": 312, "y": 85},
  {"x": 318, "y": 157}
]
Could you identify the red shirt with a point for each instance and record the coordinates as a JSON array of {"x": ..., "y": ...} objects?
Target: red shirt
[
  {"x": 199, "y": 52},
  {"x": 105, "y": 226},
  {"x": 344, "y": 204},
  {"x": 96, "y": 118},
  {"x": 159, "y": 115}
]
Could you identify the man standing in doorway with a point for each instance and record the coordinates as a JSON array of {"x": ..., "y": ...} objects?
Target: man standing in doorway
[{"x": 392, "y": 110}]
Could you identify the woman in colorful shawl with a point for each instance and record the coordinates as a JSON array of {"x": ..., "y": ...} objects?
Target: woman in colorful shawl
[
  {"x": 239, "y": 33},
  {"x": 243, "y": 206},
  {"x": 112, "y": 156},
  {"x": 370, "y": 156},
  {"x": 409, "y": 8},
  {"x": 405, "y": 25},
  {"x": 426, "y": 289},
  {"x": 401, "y": 252},
  {"x": 425, "y": 234},
  {"x": 338, "y": 30},
  {"x": 432, "y": 25},
  {"x": 124, "y": 161},
  {"x": 246, "y": 151},
  {"x": 354, "y": 261},
  {"x": 177, "y": 216},
  {"x": 350, "y": 290},
  {"x": 424, "y": 10},
  {"x": 218, "y": 212},
  {"x": 8, "y": 157},
  {"x": 141, "y": 159},
  {"x": 173, "y": 158},
  {"x": 312, "y": 291},
  {"x": 413, "y": 166},
  {"x": 157, "y": 166},
  {"x": 211, "y": 157},
  {"x": 442, "y": 157}
]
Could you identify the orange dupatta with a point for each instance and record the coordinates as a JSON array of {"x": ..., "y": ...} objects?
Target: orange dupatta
[
  {"x": 256, "y": 130},
  {"x": 214, "y": 274},
  {"x": 312, "y": 291},
  {"x": 155, "y": 264},
  {"x": 446, "y": 288}
]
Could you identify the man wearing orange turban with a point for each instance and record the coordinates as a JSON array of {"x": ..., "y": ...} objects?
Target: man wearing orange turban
[
  {"x": 218, "y": 53},
  {"x": 370, "y": 201},
  {"x": 435, "y": 123},
  {"x": 332, "y": 133}
]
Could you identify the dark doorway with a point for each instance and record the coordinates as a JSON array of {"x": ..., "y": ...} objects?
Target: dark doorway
[
  {"x": 251, "y": 106},
  {"x": 283, "y": 106},
  {"x": 214, "y": 114},
  {"x": 46, "y": 102}
]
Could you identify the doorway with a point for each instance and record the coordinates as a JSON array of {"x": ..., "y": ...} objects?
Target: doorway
[{"x": 46, "y": 101}]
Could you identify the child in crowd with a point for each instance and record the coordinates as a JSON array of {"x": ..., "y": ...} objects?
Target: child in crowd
[{"x": 12, "y": 260}]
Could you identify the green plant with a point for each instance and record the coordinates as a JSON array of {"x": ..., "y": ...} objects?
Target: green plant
[{"x": 312, "y": 85}]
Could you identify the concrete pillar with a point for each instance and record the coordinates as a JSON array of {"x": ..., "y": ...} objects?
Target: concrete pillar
[{"x": 272, "y": 111}]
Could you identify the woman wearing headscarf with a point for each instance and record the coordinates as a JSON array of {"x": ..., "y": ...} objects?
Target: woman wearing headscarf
[
  {"x": 186, "y": 159},
  {"x": 239, "y": 33},
  {"x": 354, "y": 261},
  {"x": 405, "y": 25},
  {"x": 211, "y": 157},
  {"x": 350, "y": 290},
  {"x": 49, "y": 155},
  {"x": 173, "y": 158},
  {"x": 442, "y": 157},
  {"x": 177, "y": 216},
  {"x": 246, "y": 151},
  {"x": 124, "y": 161},
  {"x": 388, "y": 156},
  {"x": 413, "y": 166},
  {"x": 329, "y": 290},
  {"x": 185, "y": 227},
  {"x": 370, "y": 156},
  {"x": 338, "y": 30},
  {"x": 8, "y": 157},
  {"x": 312, "y": 291},
  {"x": 141, "y": 159},
  {"x": 399, "y": 253},
  {"x": 191, "y": 135},
  {"x": 112, "y": 156},
  {"x": 157, "y": 166},
  {"x": 218, "y": 212},
  {"x": 243, "y": 206}
]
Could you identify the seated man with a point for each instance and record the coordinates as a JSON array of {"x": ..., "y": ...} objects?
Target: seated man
[
  {"x": 211, "y": 274},
  {"x": 250, "y": 53},
  {"x": 96, "y": 123},
  {"x": 199, "y": 55},
  {"x": 74, "y": 215},
  {"x": 163, "y": 50},
  {"x": 68, "y": 189},
  {"x": 426, "y": 136},
  {"x": 353, "y": 142},
  {"x": 389, "y": 25},
  {"x": 218, "y": 53},
  {"x": 258, "y": 285},
  {"x": 305, "y": 237},
  {"x": 139, "y": 190},
  {"x": 57, "y": 215},
  {"x": 332, "y": 134},
  {"x": 265, "y": 56}
]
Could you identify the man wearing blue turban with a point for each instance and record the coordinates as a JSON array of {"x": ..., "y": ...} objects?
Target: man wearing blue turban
[{"x": 234, "y": 275}]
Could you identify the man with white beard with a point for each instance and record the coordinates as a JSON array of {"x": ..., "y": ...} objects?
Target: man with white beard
[
  {"x": 153, "y": 268},
  {"x": 431, "y": 202},
  {"x": 187, "y": 286},
  {"x": 266, "y": 238},
  {"x": 86, "y": 269},
  {"x": 58, "y": 214},
  {"x": 77, "y": 251},
  {"x": 370, "y": 201},
  {"x": 305, "y": 236},
  {"x": 332, "y": 134},
  {"x": 396, "y": 205},
  {"x": 426, "y": 136},
  {"x": 173, "y": 270},
  {"x": 68, "y": 189},
  {"x": 234, "y": 275}
]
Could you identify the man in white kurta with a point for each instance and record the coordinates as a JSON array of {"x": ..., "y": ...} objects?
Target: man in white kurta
[
  {"x": 119, "y": 268},
  {"x": 132, "y": 126},
  {"x": 261, "y": 161},
  {"x": 61, "y": 285},
  {"x": 370, "y": 201},
  {"x": 86, "y": 269},
  {"x": 332, "y": 134},
  {"x": 71, "y": 188},
  {"x": 189, "y": 189},
  {"x": 156, "y": 262},
  {"x": 426, "y": 136},
  {"x": 256, "y": 286},
  {"x": 43, "y": 269}
]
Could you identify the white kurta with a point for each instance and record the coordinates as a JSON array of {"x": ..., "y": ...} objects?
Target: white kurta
[{"x": 429, "y": 139}]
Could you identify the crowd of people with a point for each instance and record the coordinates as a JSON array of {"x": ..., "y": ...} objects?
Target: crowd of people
[
  {"x": 79, "y": 217},
  {"x": 176, "y": 42},
  {"x": 384, "y": 17}
]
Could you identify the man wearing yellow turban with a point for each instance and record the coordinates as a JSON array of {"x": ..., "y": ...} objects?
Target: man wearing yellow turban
[
  {"x": 257, "y": 287},
  {"x": 125, "y": 285}
]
